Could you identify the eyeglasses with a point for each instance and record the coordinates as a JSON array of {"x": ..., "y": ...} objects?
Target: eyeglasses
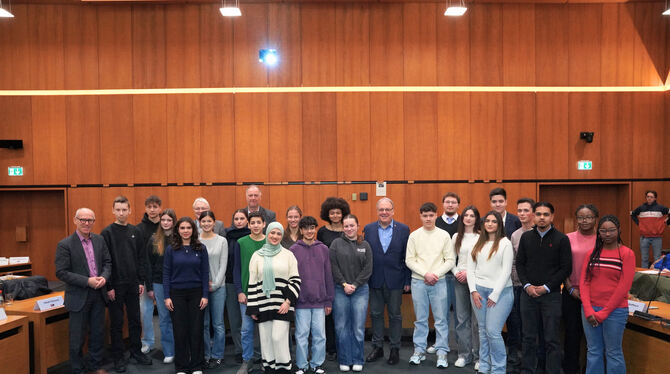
[
  {"x": 587, "y": 218},
  {"x": 87, "y": 221},
  {"x": 608, "y": 231},
  {"x": 385, "y": 209}
]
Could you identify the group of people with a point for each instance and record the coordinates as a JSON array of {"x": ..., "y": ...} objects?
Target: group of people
[{"x": 490, "y": 270}]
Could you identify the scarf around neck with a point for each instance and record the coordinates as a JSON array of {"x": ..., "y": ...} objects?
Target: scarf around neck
[{"x": 268, "y": 251}]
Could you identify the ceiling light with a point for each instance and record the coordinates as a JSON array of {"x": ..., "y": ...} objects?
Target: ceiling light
[
  {"x": 4, "y": 13},
  {"x": 230, "y": 10},
  {"x": 455, "y": 9},
  {"x": 269, "y": 57}
]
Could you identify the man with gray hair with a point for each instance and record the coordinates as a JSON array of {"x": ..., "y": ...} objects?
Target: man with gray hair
[
  {"x": 390, "y": 277},
  {"x": 254, "y": 195},
  {"x": 202, "y": 205}
]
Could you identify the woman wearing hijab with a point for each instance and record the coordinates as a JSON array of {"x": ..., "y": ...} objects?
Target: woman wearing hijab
[{"x": 274, "y": 287}]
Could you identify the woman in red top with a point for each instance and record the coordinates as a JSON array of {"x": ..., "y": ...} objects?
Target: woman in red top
[{"x": 604, "y": 284}]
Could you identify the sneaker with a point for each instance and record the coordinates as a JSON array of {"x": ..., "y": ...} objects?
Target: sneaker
[
  {"x": 244, "y": 368},
  {"x": 301, "y": 371},
  {"x": 197, "y": 372},
  {"x": 168, "y": 360},
  {"x": 344, "y": 367},
  {"x": 357, "y": 368},
  {"x": 460, "y": 363},
  {"x": 442, "y": 361},
  {"x": 145, "y": 348},
  {"x": 318, "y": 370},
  {"x": 477, "y": 365},
  {"x": 431, "y": 349},
  {"x": 417, "y": 357}
]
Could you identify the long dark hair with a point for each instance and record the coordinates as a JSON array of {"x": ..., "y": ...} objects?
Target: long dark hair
[
  {"x": 597, "y": 250},
  {"x": 159, "y": 235},
  {"x": 461, "y": 226},
  {"x": 176, "y": 238},
  {"x": 484, "y": 237}
]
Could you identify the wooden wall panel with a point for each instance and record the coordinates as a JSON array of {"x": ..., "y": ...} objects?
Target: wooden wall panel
[
  {"x": 149, "y": 46},
  {"x": 45, "y": 31},
  {"x": 285, "y": 137},
  {"x": 420, "y": 44},
  {"x": 15, "y": 66},
  {"x": 16, "y": 123},
  {"x": 117, "y": 151},
  {"x": 319, "y": 136},
  {"x": 149, "y": 132},
  {"x": 89, "y": 197},
  {"x": 217, "y": 134},
  {"x": 387, "y": 141},
  {"x": 284, "y": 196},
  {"x": 551, "y": 46},
  {"x": 486, "y": 130},
  {"x": 80, "y": 35},
  {"x": 453, "y": 50},
  {"x": 184, "y": 154},
  {"x": 453, "y": 134},
  {"x": 617, "y": 45},
  {"x": 216, "y": 47},
  {"x": 250, "y": 34},
  {"x": 518, "y": 45},
  {"x": 115, "y": 46},
  {"x": 182, "y": 46},
  {"x": 83, "y": 139},
  {"x": 49, "y": 140},
  {"x": 486, "y": 58},
  {"x": 584, "y": 114},
  {"x": 352, "y": 44},
  {"x": 181, "y": 199},
  {"x": 649, "y": 43},
  {"x": 353, "y": 136},
  {"x": 364, "y": 210},
  {"x": 584, "y": 44},
  {"x": 386, "y": 44},
  {"x": 649, "y": 133},
  {"x": 617, "y": 120},
  {"x": 284, "y": 34},
  {"x": 420, "y": 114},
  {"x": 519, "y": 134},
  {"x": 251, "y": 137},
  {"x": 552, "y": 134},
  {"x": 318, "y": 39}
]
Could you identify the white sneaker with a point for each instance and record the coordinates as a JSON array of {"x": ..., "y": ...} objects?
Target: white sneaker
[
  {"x": 417, "y": 357},
  {"x": 460, "y": 363},
  {"x": 477, "y": 365},
  {"x": 357, "y": 368},
  {"x": 168, "y": 359},
  {"x": 301, "y": 371},
  {"x": 344, "y": 367},
  {"x": 181, "y": 372},
  {"x": 145, "y": 348},
  {"x": 431, "y": 349},
  {"x": 197, "y": 372},
  {"x": 442, "y": 361}
]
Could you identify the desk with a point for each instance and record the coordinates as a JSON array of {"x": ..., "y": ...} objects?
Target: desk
[
  {"x": 647, "y": 343},
  {"x": 15, "y": 357},
  {"x": 48, "y": 332}
]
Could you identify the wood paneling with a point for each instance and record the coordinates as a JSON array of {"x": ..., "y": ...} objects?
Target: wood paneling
[
  {"x": 387, "y": 156},
  {"x": 45, "y": 31},
  {"x": 15, "y": 66},
  {"x": 420, "y": 114},
  {"x": 420, "y": 44},
  {"x": 117, "y": 140},
  {"x": 353, "y": 136},
  {"x": 217, "y": 136},
  {"x": 519, "y": 134},
  {"x": 486, "y": 131},
  {"x": 617, "y": 120},
  {"x": 222, "y": 201},
  {"x": 584, "y": 42},
  {"x": 182, "y": 46},
  {"x": 318, "y": 39},
  {"x": 386, "y": 44},
  {"x": 251, "y": 138},
  {"x": 80, "y": 39},
  {"x": 453, "y": 50},
  {"x": 319, "y": 136},
  {"x": 285, "y": 137},
  {"x": 49, "y": 140},
  {"x": 281, "y": 197},
  {"x": 649, "y": 43},
  {"x": 84, "y": 198},
  {"x": 552, "y": 135},
  {"x": 284, "y": 34},
  {"x": 83, "y": 140},
  {"x": 149, "y": 39},
  {"x": 649, "y": 133},
  {"x": 584, "y": 114},
  {"x": 250, "y": 34},
  {"x": 518, "y": 45},
  {"x": 551, "y": 46},
  {"x": 16, "y": 123},
  {"x": 486, "y": 58},
  {"x": 352, "y": 44},
  {"x": 182, "y": 150},
  {"x": 453, "y": 134},
  {"x": 216, "y": 47},
  {"x": 149, "y": 132},
  {"x": 115, "y": 47},
  {"x": 313, "y": 197}
]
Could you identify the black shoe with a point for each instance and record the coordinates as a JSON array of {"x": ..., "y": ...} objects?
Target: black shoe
[
  {"x": 238, "y": 358},
  {"x": 394, "y": 356},
  {"x": 377, "y": 353},
  {"x": 331, "y": 356},
  {"x": 120, "y": 365},
  {"x": 141, "y": 358},
  {"x": 214, "y": 363}
]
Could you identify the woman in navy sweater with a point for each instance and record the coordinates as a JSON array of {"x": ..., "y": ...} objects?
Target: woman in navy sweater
[{"x": 186, "y": 288}]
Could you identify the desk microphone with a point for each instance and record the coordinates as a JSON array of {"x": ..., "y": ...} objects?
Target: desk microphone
[{"x": 649, "y": 316}]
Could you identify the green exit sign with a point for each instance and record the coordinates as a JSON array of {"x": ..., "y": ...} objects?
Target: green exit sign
[
  {"x": 584, "y": 165},
  {"x": 15, "y": 171}
]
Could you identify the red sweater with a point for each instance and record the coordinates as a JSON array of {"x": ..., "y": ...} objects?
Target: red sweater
[{"x": 611, "y": 279}]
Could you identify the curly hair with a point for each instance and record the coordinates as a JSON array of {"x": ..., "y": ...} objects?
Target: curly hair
[{"x": 334, "y": 203}]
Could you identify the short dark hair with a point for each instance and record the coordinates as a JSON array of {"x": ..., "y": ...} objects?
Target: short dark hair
[
  {"x": 207, "y": 213},
  {"x": 428, "y": 207},
  {"x": 590, "y": 207},
  {"x": 543, "y": 204},
  {"x": 526, "y": 200},
  {"x": 121, "y": 200},
  {"x": 307, "y": 221},
  {"x": 498, "y": 191},
  {"x": 334, "y": 203},
  {"x": 452, "y": 194},
  {"x": 651, "y": 192},
  {"x": 256, "y": 214},
  {"x": 153, "y": 199}
]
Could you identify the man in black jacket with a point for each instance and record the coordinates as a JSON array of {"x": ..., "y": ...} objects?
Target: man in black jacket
[{"x": 543, "y": 261}]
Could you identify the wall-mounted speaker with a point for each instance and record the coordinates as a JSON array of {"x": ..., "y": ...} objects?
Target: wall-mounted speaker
[{"x": 11, "y": 143}]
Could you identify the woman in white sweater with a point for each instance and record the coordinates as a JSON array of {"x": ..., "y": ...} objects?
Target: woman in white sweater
[
  {"x": 489, "y": 280},
  {"x": 217, "y": 251}
]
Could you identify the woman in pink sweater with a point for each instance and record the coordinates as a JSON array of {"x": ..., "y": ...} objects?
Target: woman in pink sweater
[{"x": 604, "y": 284}]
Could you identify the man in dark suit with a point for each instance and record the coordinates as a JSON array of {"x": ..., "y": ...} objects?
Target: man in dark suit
[
  {"x": 84, "y": 264},
  {"x": 390, "y": 277},
  {"x": 202, "y": 205},
  {"x": 498, "y": 197}
]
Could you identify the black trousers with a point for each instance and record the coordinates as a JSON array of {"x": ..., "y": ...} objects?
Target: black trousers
[
  {"x": 547, "y": 309},
  {"x": 125, "y": 295},
  {"x": 392, "y": 299},
  {"x": 572, "y": 318},
  {"x": 188, "y": 328},
  {"x": 331, "y": 341},
  {"x": 91, "y": 319}
]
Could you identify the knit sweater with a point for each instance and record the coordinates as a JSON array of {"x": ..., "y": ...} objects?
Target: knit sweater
[
  {"x": 544, "y": 260},
  {"x": 126, "y": 248},
  {"x": 287, "y": 286},
  {"x": 581, "y": 245},
  {"x": 185, "y": 268},
  {"x": 492, "y": 272},
  {"x": 652, "y": 219},
  {"x": 429, "y": 251},
  {"x": 243, "y": 252},
  {"x": 350, "y": 261},
  {"x": 450, "y": 228},
  {"x": 217, "y": 253},
  {"x": 611, "y": 279},
  {"x": 317, "y": 289},
  {"x": 469, "y": 241}
]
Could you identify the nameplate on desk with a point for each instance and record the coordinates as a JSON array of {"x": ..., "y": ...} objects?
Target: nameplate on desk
[
  {"x": 3, "y": 315},
  {"x": 19, "y": 260},
  {"x": 50, "y": 303},
  {"x": 4, "y": 261},
  {"x": 634, "y": 306}
]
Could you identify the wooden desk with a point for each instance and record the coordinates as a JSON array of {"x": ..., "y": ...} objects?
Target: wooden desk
[
  {"x": 17, "y": 269},
  {"x": 48, "y": 332},
  {"x": 645, "y": 343},
  {"x": 15, "y": 357}
]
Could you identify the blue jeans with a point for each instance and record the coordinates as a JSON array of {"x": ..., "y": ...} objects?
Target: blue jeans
[
  {"x": 310, "y": 320},
  {"x": 492, "y": 355},
  {"x": 605, "y": 338},
  {"x": 247, "y": 334},
  {"x": 214, "y": 347},
  {"x": 466, "y": 326},
  {"x": 656, "y": 244},
  {"x": 147, "y": 312},
  {"x": 349, "y": 312},
  {"x": 164, "y": 321},
  {"x": 424, "y": 298}
]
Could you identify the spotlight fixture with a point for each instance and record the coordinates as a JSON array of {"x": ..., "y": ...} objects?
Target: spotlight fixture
[
  {"x": 269, "y": 57},
  {"x": 587, "y": 136},
  {"x": 231, "y": 9},
  {"x": 667, "y": 9},
  {"x": 456, "y": 8},
  {"x": 4, "y": 13}
]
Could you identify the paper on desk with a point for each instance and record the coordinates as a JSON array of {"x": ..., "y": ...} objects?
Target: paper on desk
[{"x": 650, "y": 271}]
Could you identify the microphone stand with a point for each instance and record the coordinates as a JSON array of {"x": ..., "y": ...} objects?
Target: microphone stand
[{"x": 649, "y": 316}]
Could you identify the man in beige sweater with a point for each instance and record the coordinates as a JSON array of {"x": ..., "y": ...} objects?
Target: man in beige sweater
[{"x": 430, "y": 255}]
